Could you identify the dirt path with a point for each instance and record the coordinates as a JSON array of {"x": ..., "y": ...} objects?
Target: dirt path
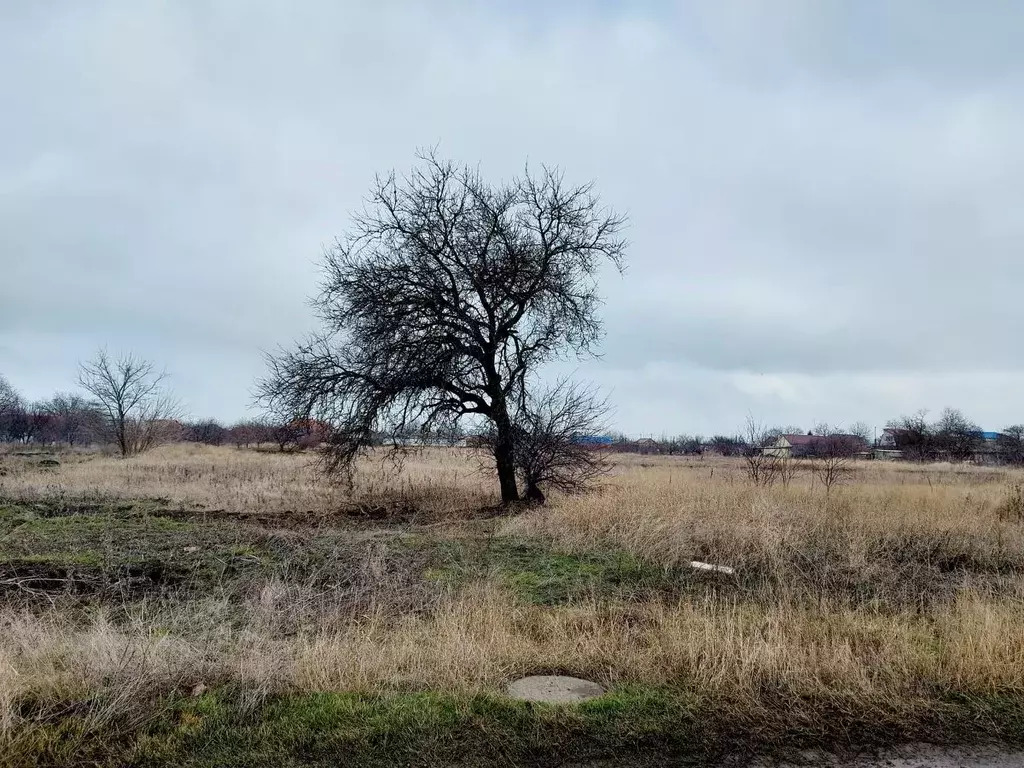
[{"x": 915, "y": 756}]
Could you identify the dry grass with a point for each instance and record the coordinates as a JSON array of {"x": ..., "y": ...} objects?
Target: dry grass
[
  {"x": 477, "y": 640},
  {"x": 246, "y": 481},
  {"x": 908, "y": 591},
  {"x": 889, "y": 525}
]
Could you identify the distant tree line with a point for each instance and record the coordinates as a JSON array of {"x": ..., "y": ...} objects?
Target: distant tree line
[
  {"x": 125, "y": 405},
  {"x": 129, "y": 407},
  {"x": 950, "y": 437},
  {"x": 64, "y": 418},
  {"x": 953, "y": 437}
]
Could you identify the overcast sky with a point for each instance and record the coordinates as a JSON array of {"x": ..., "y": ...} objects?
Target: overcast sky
[{"x": 826, "y": 199}]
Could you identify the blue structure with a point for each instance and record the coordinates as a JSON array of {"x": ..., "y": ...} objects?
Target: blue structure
[
  {"x": 990, "y": 435},
  {"x": 592, "y": 439}
]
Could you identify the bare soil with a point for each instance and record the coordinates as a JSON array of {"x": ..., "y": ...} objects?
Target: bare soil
[{"x": 913, "y": 756}]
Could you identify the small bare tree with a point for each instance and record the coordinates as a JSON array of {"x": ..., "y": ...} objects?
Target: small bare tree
[
  {"x": 726, "y": 445},
  {"x": 831, "y": 454},
  {"x": 862, "y": 430},
  {"x": 762, "y": 468},
  {"x": 253, "y": 432},
  {"x": 208, "y": 432},
  {"x": 956, "y": 436},
  {"x": 139, "y": 413},
  {"x": 549, "y": 449},
  {"x": 787, "y": 468},
  {"x": 287, "y": 435}
]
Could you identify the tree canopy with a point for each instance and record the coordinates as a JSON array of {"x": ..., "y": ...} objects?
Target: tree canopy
[{"x": 443, "y": 301}]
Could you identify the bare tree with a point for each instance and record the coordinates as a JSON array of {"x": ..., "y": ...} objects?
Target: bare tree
[
  {"x": 10, "y": 409},
  {"x": 444, "y": 300},
  {"x": 726, "y": 445},
  {"x": 9, "y": 398},
  {"x": 773, "y": 433},
  {"x": 139, "y": 413},
  {"x": 913, "y": 436},
  {"x": 831, "y": 454},
  {"x": 956, "y": 436},
  {"x": 31, "y": 424},
  {"x": 1010, "y": 444},
  {"x": 823, "y": 428},
  {"x": 787, "y": 468},
  {"x": 762, "y": 468},
  {"x": 688, "y": 445},
  {"x": 862, "y": 430},
  {"x": 76, "y": 419},
  {"x": 548, "y": 429},
  {"x": 208, "y": 432},
  {"x": 287, "y": 435}
]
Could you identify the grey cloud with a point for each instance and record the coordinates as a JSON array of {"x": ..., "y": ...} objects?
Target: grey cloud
[{"x": 824, "y": 198}]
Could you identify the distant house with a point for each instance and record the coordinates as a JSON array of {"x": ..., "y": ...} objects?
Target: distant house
[
  {"x": 647, "y": 445},
  {"x": 798, "y": 446},
  {"x": 890, "y": 438},
  {"x": 889, "y": 444},
  {"x": 790, "y": 445}
]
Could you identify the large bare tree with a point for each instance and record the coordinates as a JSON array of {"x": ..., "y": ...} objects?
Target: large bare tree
[
  {"x": 130, "y": 393},
  {"x": 443, "y": 301}
]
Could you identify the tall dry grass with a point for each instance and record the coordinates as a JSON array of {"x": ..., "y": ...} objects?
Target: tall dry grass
[
  {"x": 887, "y": 524},
  {"x": 245, "y": 481},
  {"x": 906, "y": 586},
  {"x": 749, "y": 656}
]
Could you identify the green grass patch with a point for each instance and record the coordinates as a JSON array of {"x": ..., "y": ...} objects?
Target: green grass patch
[
  {"x": 111, "y": 538},
  {"x": 83, "y": 557},
  {"x": 633, "y": 726},
  {"x": 416, "y": 729},
  {"x": 540, "y": 574}
]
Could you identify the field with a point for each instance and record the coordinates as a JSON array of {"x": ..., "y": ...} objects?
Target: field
[{"x": 217, "y": 607}]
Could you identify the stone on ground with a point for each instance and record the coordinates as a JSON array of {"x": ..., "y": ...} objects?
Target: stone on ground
[{"x": 554, "y": 689}]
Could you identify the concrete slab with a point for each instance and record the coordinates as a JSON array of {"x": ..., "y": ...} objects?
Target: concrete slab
[{"x": 554, "y": 689}]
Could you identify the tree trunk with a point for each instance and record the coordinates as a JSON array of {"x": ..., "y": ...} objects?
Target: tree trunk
[
  {"x": 534, "y": 493},
  {"x": 122, "y": 436},
  {"x": 503, "y": 457}
]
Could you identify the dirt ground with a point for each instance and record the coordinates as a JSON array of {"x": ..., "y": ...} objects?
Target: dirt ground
[{"x": 914, "y": 756}]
